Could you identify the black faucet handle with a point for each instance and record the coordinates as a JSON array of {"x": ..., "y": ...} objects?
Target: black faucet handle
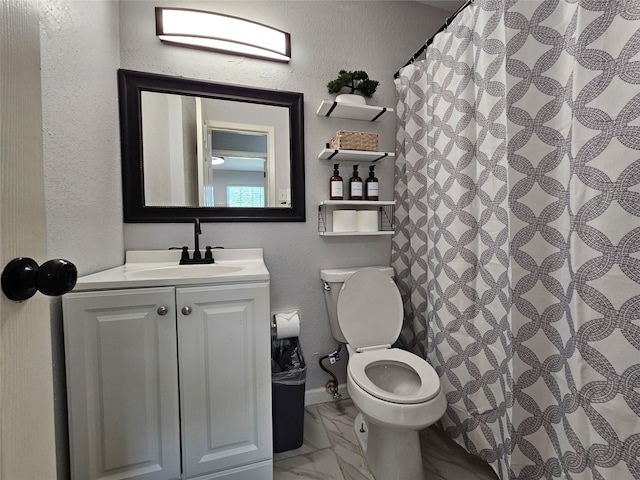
[
  {"x": 185, "y": 253},
  {"x": 208, "y": 255}
]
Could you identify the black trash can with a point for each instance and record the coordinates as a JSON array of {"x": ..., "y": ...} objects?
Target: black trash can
[{"x": 288, "y": 375}]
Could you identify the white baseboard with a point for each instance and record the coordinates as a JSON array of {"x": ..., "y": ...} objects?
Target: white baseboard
[{"x": 320, "y": 395}]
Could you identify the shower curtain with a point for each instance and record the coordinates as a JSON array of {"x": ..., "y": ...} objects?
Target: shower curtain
[{"x": 517, "y": 245}]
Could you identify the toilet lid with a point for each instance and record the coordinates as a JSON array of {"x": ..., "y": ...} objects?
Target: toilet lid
[
  {"x": 426, "y": 388},
  {"x": 369, "y": 309}
]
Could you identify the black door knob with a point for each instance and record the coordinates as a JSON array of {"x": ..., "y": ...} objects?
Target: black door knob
[{"x": 22, "y": 278}]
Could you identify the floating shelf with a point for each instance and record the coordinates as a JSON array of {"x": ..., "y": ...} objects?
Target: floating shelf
[
  {"x": 356, "y": 203},
  {"x": 353, "y": 155},
  {"x": 353, "y": 234},
  {"x": 369, "y": 113},
  {"x": 386, "y": 210}
]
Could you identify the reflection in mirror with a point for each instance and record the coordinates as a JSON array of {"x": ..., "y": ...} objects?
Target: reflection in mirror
[
  {"x": 218, "y": 152},
  {"x": 236, "y": 171},
  {"x": 195, "y": 156},
  {"x": 170, "y": 156}
]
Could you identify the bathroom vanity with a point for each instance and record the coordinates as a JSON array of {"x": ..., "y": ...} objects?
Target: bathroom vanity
[{"x": 168, "y": 369}]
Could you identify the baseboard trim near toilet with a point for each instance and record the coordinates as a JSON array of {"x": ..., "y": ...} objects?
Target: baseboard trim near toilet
[{"x": 320, "y": 395}]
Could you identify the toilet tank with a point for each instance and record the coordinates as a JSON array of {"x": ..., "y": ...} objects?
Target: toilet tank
[{"x": 333, "y": 279}]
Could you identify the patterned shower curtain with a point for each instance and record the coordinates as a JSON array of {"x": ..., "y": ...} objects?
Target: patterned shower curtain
[{"x": 517, "y": 245}]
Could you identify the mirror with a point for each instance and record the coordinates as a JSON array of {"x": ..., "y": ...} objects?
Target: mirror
[{"x": 214, "y": 151}]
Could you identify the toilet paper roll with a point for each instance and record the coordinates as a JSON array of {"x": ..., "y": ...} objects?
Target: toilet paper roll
[
  {"x": 367, "y": 221},
  {"x": 287, "y": 324},
  {"x": 344, "y": 221}
]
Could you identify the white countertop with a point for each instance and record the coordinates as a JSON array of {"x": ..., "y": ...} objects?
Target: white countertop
[{"x": 248, "y": 266}]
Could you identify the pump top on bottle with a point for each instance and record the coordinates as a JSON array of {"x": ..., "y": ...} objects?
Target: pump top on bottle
[
  {"x": 336, "y": 185},
  {"x": 355, "y": 185},
  {"x": 372, "y": 185}
]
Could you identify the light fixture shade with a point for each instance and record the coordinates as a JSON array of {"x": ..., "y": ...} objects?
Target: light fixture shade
[{"x": 222, "y": 33}]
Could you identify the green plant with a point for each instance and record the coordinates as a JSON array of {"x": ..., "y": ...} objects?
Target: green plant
[{"x": 357, "y": 80}]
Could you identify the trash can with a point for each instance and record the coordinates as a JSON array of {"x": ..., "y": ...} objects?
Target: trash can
[{"x": 288, "y": 375}]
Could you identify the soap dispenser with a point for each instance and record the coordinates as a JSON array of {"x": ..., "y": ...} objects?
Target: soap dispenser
[
  {"x": 372, "y": 185},
  {"x": 335, "y": 185},
  {"x": 355, "y": 185}
]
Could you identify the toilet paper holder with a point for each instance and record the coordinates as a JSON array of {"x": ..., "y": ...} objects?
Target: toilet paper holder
[{"x": 285, "y": 324}]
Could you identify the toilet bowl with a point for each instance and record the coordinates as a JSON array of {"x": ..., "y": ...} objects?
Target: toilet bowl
[{"x": 396, "y": 392}]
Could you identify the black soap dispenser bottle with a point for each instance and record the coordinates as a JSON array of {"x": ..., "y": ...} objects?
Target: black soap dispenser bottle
[
  {"x": 336, "y": 185},
  {"x": 372, "y": 185},
  {"x": 355, "y": 185}
]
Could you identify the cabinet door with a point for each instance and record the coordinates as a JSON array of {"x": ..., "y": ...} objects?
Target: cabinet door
[
  {"x": 225, "y": 376},
  {"x": 122, "y": 381}
]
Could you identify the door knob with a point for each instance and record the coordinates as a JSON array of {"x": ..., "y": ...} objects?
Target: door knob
[
  {"x": 22, "y": 278},
  {"x": 186, "y": 310}
]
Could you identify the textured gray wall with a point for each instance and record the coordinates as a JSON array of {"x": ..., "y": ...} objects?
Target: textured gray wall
[
  {"x": 80, "y": 56},
  {"x": 326, "y": 36},
  {"x": 82, "y": 131}
]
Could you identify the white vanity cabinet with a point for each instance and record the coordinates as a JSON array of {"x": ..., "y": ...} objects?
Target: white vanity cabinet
[
  {"x": 122, "y": 379},
  {"x": 169, "y": 382},
  {"x": 225, "y": 380}
]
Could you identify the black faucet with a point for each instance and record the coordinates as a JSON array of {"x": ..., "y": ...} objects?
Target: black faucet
[
  {"x": 197, "y": 231},
  {"x": 197, "y": 256}
]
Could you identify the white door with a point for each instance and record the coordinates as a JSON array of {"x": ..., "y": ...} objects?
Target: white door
[
  {"x": 122, "y": 378},
  {"x": 27, "y": 443},
  {"x": 225, "y": 376}
]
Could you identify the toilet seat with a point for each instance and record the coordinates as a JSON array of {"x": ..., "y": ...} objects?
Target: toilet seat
[
  {"x": 370, "y": 309},
  {"x": 427, "y": 389}
]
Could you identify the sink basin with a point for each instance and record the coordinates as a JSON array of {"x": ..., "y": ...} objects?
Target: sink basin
[
  {"x": 160, "y": 268},
  {"x": 185, "y": 271}
]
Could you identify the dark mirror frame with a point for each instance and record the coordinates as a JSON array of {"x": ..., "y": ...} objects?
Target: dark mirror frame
[{"x": 130, "y": 86}]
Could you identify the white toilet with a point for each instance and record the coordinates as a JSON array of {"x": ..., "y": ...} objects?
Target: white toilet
[{"x": 396, "y": 392}]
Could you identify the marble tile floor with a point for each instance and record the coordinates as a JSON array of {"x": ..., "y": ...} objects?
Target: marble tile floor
[{"x": 330, "y": 451}]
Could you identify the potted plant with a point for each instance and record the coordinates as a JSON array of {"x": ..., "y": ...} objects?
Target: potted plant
[{"x": 356, "y": 81}]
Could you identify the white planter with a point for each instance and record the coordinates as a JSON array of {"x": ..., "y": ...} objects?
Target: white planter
[{"x": 351, "y": 98}]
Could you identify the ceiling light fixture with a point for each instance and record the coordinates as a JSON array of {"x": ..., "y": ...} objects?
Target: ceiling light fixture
[{"x": 221, "y": 33}]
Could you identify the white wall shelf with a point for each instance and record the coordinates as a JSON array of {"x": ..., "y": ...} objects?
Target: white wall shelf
[
  {"x": 369, "y": 113},
  {"x": 356, "y": 203},
  {"x": 354, "y": 234},
  {"x": 353, "y": 155},
  {"x": 385, "y": 208}
]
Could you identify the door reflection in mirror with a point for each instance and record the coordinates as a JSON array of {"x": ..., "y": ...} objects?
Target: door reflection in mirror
[{"x": 239, "y": 165}]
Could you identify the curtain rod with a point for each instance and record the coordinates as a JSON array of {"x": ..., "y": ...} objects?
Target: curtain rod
[{"x": 447, "y": 22}]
